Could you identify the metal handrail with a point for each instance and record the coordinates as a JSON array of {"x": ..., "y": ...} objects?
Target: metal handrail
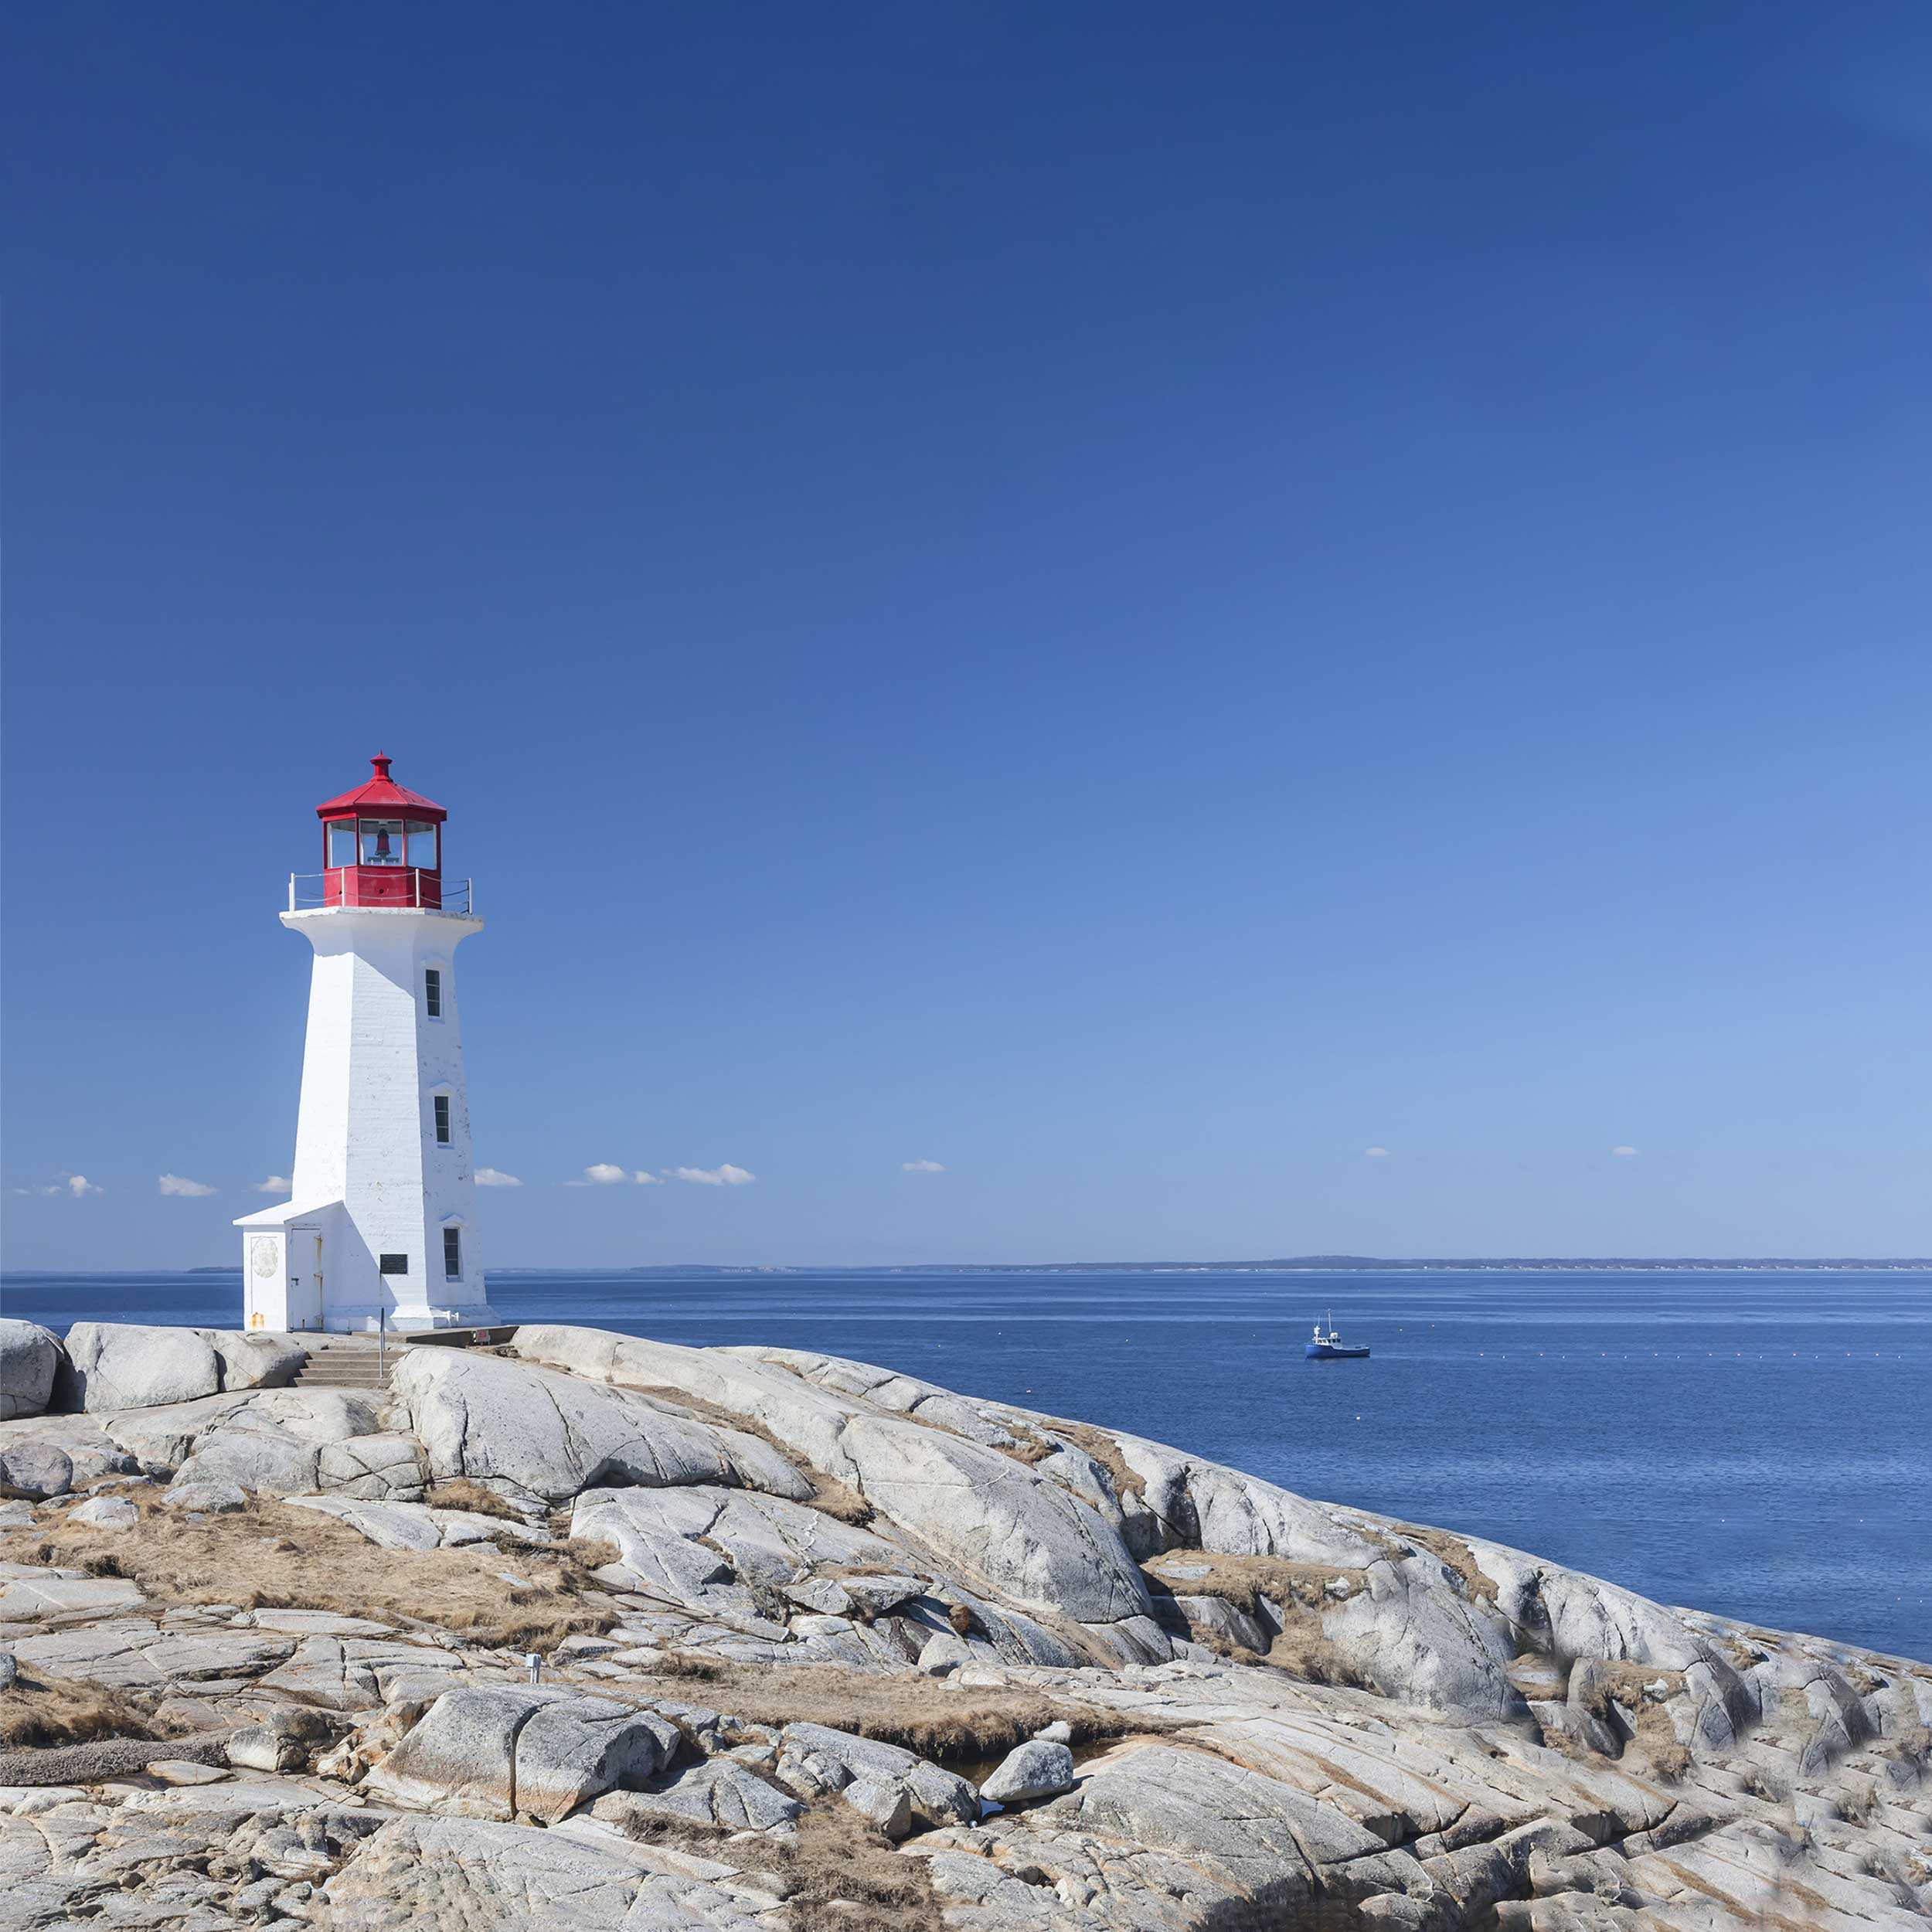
[{"x": 309, "y": 891}]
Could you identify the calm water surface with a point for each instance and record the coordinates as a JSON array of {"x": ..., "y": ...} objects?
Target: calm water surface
[{"x": 1759, "y": 1445}]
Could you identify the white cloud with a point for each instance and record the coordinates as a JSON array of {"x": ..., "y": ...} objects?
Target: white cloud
[
  {"x": 644, "y": 1178},
  {"x": 724, "y": 1176},
  {"x": 495, "y": 1177},
  {"x": 921, "y": 1167},
  {"x": 600, "y": 1174},
  {"x": 171, "y": 1184},
  {"x": 275, "y": 1184},
  {"x": 76, "y": 1186},
  {"x": 1375, "y": 1153},
  {"x": 1624, "y": 1153}
]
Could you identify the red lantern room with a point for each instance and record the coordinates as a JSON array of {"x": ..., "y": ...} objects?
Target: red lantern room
[{"x": 382, "y": 845}]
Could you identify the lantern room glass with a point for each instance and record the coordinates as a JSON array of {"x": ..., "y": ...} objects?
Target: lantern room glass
[
  {"x": 341, "y": 848},
  {"x": 421, "y": 841}
]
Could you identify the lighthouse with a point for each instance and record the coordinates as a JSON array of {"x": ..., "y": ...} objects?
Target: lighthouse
[{"x": 381, "y": 1228}]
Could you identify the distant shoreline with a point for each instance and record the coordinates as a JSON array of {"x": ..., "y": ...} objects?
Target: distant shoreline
[
  {"x": 1299, "y": 1264},
  {"x": 1306, "y": 1264}
]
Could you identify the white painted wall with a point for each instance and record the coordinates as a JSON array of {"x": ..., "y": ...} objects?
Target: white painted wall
[{"x": 364, "y": 1137}]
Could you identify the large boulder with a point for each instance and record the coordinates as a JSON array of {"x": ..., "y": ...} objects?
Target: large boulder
[
  {"x": 37, "y": 1469},
  {"x": 381, "y": 1468},
  {"x": 497, "y": 1753},
  {"x": 706, "y": 1547},
  {"x": 118, "y": 1365},
  {"x": 281, "y": 1442},
  {"x": 90, "y": 1450},
  {"x": 159, "y": 1440},
  {"x": 718, "y": 1794},
  {"x": 115, "y": 1365},
  {"x": 1414, "y": 1637},
  {"x": 1035, "y": 1769},
  {"x": 29, "y": 1356},
  {"x": 989, "y": 1513},
  {"x": 545, "y": 1436},
  {"x": 255, "y": 1361},
  {"x": 814, "y": 1759},
  {"x": 255, "y": 1452}
]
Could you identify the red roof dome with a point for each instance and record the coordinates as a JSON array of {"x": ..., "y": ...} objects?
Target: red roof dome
[{"x": 381, "y": 794}]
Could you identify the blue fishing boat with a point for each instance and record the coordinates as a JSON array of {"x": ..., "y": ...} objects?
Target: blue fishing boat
[{"x": 1328, "y": 1347}]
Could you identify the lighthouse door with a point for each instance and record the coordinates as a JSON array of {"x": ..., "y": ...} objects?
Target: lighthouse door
[{"x": 304, "y": 1278}]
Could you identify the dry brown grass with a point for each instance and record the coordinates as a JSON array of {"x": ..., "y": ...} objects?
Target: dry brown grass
[
  {"x": 1620, "y": 1681},
  {"x": 836, "y": 1500},
  {"x": 1658, "y": 1741},
  {"x": 1294, "y": 1593},
  {"x": 462, "y": 1492},
  {"x": 1456, "y": 1557},
  {"x": 846, "y": 1877},
  {"x": 273, "y": 1556},
  {"x": 1100, "y": 1447},
  {"x": 916, "y": 1712},
  {"x": 35, "y": 1715},
  {"x": 1244, "y": 1581},
  {"x": 841, "y": 1874},
  {"x": 1301, "y": 1651}
]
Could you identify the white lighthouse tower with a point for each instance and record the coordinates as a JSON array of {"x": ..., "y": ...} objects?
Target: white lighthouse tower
[{"x": 382, "y": 1228}]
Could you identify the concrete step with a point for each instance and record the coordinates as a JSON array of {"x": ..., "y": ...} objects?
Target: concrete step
[
  {"x": 345, "y": 1362},
  {"x": 357, "y": 1378}
]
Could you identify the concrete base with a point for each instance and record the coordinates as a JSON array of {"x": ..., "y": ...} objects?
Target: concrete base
[{"x": 411, "y": 1320}]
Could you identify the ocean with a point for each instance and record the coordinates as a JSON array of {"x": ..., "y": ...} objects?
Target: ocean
[{"x": 1756, "y": 1443}]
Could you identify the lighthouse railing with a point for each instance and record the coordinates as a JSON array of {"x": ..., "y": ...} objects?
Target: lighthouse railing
[{"x": 411, "y": 888}]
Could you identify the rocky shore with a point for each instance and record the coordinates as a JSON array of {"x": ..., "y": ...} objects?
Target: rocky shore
[{"x": 588, "y": 1632}]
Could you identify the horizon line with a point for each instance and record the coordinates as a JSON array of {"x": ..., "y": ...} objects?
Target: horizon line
[{"x": 1304, "y": 1263}]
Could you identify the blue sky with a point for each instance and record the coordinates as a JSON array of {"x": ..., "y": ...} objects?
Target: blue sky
[{"x": 1134, "y": 603}]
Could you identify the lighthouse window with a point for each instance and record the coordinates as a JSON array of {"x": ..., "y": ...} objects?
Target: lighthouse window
[
  {"x": 433, "y": 993},
  {"x": 421, "y": 840},
  {"x": 341, "y": 842},
  {"x": 453, "y": 1254},
  {"x": 381, "y": 842},
  {"x": 442, "y": 1120}
]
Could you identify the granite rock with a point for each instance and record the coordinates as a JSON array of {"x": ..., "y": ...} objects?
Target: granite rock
[
  {"x": 122, "y": 1366},
  {"x": 540, "y": 1434},
  {"x": 105, "y": 1512},
  {"x": 422, "y": 1871},
  {"x": 502, "y": 1752},
  {"x": 717, "y": 1793},
  {"x": 1766, "y": 1777},
  {"x": 1034, "y": 1769},
  {"x": 37, "y": 1469},
  {"x": 988, "y": 1513},
  {"x": 814, "y": 1758},
  {"x": 29, "y": 1357}
]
